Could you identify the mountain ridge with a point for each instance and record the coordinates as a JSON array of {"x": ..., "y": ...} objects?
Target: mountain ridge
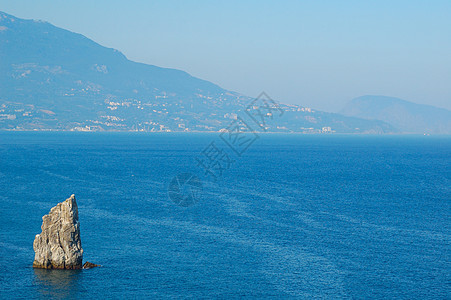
[
  {"x": 54, "y": 79},
  {"x": 404, "y": 115}
]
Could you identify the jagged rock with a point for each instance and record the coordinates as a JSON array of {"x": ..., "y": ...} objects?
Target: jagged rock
[
  {"x": 88, "y": 265},
  {"x": 59, "y": 244}
]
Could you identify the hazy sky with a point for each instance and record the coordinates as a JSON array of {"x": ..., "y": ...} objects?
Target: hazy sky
[{"x": 313, "y": 53}]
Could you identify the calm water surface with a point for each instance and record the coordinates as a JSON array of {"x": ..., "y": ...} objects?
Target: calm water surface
[{"x": 331, "y": 216}]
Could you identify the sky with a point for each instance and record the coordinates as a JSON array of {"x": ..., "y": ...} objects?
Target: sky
[{"x": 318, "y": 54}]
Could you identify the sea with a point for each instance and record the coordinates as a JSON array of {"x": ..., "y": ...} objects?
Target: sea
[{"x": 209, "y": 215}]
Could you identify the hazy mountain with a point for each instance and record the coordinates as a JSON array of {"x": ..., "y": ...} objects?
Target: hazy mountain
[
  {"x": 54, "y": 79},
  {"x": 406, "y": 116}
]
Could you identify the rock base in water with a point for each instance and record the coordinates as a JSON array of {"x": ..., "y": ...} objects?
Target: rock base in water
[{"x": 88, "y": 265}]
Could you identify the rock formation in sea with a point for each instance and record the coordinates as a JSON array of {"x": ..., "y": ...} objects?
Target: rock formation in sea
[
  {"x": 59, "y": 244},
  {"x": 88, "y": 265}
]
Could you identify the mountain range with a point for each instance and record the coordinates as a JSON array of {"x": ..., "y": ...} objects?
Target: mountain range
[
  {"x": 54, "y": 79},
  {"x": 406, "y": 116}
]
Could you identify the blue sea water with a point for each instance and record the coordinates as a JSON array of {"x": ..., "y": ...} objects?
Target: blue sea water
[{"x": 295, "y": 216}]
